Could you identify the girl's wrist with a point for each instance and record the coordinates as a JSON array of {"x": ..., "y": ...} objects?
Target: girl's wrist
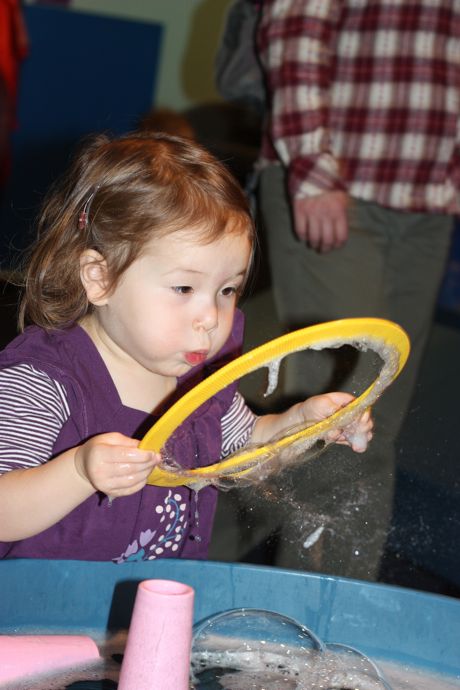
[{"x": 79, "y": 467}]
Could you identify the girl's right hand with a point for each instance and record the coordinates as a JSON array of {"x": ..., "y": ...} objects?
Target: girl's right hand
[{"x": 113, "y": 463}]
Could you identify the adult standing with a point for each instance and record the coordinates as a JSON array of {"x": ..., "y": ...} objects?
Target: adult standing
[{"x": 359, "y": 184}]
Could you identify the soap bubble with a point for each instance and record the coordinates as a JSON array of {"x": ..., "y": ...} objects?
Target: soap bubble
[
  {"x": 346, "y": 667},
  {"x": 255, "y": 649},
  {"x": 242, "y": 643}
]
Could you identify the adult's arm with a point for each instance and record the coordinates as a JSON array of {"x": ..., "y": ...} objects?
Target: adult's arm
[{"x": 296, "y": 40}]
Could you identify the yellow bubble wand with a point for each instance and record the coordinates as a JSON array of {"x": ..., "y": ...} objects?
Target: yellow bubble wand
[{"x": 379, "y": 334}]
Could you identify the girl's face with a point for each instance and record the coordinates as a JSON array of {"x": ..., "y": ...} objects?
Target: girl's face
[{"x": 173, "y": 307}]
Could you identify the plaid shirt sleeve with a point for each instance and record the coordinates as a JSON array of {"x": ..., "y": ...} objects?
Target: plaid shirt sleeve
[
  {"x": 295, "y": 41},
  {"x": 365, "y": 96}
]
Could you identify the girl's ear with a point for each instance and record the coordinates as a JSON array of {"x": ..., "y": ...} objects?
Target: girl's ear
[{"x": 94, "y": 276}]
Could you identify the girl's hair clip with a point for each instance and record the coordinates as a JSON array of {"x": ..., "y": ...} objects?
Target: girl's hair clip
[{"x": 84, "y": 215}]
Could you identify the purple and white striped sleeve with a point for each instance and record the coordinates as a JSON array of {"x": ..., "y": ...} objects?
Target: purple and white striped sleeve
[
  {"x": 33, "y": 409},
  {"x": 237, "y": 426}
]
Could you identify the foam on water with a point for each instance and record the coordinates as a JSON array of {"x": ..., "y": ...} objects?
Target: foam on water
[
  {"x": 257, "y": 649},
  {"x": 104, "y": 675},
  {"x": 330, "y": 676},
  {"x": 270, "y": 670}
]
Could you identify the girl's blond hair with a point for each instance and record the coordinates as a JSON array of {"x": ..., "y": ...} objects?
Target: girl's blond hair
[{"x": 117, "y": 195}]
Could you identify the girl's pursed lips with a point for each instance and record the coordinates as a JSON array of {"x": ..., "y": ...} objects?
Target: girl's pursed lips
[{"x": 196, "y": 357}]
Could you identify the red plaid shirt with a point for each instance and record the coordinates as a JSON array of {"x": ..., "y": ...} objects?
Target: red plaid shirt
[{"x": 365, "y": 97}]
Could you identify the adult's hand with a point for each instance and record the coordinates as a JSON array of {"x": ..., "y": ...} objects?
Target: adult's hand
[{"x": 321, "y": 220}]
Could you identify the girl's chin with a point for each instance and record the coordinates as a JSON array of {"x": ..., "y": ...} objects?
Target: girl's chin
[{"x": 176, "y": 370}]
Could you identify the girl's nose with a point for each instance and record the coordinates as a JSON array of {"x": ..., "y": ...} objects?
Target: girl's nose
[{"x": 207, "y": 319}]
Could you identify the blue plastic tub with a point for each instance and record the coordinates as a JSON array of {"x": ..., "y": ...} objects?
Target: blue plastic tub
[{"x": 384, "y": 622}]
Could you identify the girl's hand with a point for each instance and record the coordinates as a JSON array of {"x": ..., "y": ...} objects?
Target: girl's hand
[
  {"x": 319, "y": 407},
  {"x": 113, "y": 463}
]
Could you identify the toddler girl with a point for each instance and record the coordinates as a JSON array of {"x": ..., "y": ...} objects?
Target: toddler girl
[{"x": 130, "y": 300}]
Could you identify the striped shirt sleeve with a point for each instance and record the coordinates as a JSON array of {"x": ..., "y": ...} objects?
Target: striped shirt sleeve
[
  {"x": 33, "y": 409},
  {"x": 237, "y": 426}
]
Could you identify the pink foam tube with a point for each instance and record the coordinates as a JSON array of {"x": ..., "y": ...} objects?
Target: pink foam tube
[
  {"x": 157, "y": 654},
  {"x": 32, "y": 655}
]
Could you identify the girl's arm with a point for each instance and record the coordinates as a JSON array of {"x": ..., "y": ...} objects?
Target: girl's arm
[
  {"x": 36, "y": 490},
  {"x": 316, "y": 408},
  {"x": 31, "y": 500}
]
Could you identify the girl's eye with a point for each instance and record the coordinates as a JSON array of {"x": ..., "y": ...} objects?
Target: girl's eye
[
  {"x": 229, "y": 291},
  {"x": 183, "y": 289}
]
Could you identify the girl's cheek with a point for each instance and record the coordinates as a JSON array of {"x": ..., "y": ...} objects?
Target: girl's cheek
[{"x": 229, "y": 325}]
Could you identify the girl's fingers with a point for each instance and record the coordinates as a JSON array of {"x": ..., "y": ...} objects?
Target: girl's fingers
[
  {"x": 130, "y": 474},
  {"x": 133, "y": 455},
  {"x": 125, "y": 468},
  {"x": 128, "y": 482}
]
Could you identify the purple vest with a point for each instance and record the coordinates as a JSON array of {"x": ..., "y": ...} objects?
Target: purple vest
[{"x": 155, "y": 522}]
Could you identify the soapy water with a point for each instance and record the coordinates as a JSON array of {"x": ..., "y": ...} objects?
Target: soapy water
[
  {"x": 263, "y": 649},
  {"x": 274, "y": 459},
  {"x": 273, "y": 375},
  {"x": 306, "y": 665}
]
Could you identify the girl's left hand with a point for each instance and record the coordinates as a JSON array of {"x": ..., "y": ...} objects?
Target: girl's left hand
[{"x": 319, "y": 407}]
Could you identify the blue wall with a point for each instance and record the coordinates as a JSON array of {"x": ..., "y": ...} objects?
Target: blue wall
[{"x": 85, "y": 73}]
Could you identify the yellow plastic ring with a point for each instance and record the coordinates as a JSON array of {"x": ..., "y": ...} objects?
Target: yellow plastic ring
[{"x": 331, "y": 334}]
